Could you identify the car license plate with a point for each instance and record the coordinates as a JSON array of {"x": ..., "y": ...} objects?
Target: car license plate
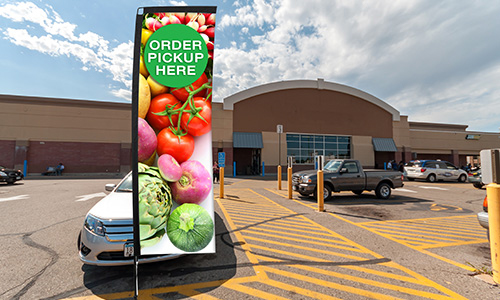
[
  {"x": 128, "y": 250},
  {"x": 294, "y": 188},
  {"x": 18, "y": 177}
]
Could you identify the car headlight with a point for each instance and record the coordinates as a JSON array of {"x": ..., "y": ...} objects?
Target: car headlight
[
  {"x": 305, "y": 179},
  {"x": 94, "y": 225}
]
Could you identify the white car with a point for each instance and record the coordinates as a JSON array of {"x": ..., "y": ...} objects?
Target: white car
[
  {"x": 434, "y": 170},
  {"x": 106, "y": 238}
]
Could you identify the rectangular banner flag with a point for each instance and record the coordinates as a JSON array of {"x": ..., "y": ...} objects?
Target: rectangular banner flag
[{"x": 172, "y": 131}]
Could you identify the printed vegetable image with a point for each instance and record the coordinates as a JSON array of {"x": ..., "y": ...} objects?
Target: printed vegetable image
[
  {"x": 181, "y": 147},
  {"x": 198, "y": 120},
  {"x": 146, "y": 141},
  {"x": 190, "y": 228},
  {"x": 155, "y": 203},
  {"x": 162, "y": 111},
  {"x": 170, "y": 169},
  {"x": 174, "y": 124},
  {"x": 144, "y": 96},
  {"x": 194, "y": 185}
]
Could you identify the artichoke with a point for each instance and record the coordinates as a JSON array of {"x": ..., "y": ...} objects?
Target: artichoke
[{"x": 155, "y": 203}]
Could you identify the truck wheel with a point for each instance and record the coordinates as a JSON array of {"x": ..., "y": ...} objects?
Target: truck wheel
[
  {"x": 359, "y": 192},
  {"x": 462, "y": 178},
  {"x": 327, "y": 193},
  {"x": 431, "y": 178},
  {"x": 383, "y": 191}
]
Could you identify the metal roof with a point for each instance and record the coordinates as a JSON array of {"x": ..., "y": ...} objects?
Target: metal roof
[
  {"x": 247, "y": 140},
  {"x": 384, "y": 145}
]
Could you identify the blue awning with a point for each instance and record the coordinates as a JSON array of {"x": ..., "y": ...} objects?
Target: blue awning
[
  {"x": 247, "y": 140},
  {"x": 384, "y": 145}
]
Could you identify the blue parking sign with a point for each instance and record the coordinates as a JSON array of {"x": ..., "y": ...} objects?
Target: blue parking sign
[{"x": 222, "y": 159}]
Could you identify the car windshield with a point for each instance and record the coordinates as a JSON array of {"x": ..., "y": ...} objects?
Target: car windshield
[
  {"x": 333, "y": 165},
  {"x": 414, "y": 164},
  {"x": 125, "y": 185}
]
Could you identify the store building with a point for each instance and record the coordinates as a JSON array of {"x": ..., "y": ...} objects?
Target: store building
[
  {"x": 334, "y": 120},
  {"x": 316, "y": 118}
]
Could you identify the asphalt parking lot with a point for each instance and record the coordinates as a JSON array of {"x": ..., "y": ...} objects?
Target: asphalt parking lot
[{"x": 422, "y": 243}]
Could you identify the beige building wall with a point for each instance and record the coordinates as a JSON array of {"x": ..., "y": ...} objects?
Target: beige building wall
[
  {"x": 46, "y": 119},
  {"x": 222, "y": 126},
  {"x": 362, "y": 150}
]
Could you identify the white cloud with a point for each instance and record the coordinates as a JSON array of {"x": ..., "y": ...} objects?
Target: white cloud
[
  {"x": 178, "y": 3},
  {"x": 91, "y": 49},
  {"x": 412, "y": 54}
]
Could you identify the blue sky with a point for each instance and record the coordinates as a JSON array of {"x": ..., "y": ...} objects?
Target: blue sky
[{"x": 433, "y": 61}]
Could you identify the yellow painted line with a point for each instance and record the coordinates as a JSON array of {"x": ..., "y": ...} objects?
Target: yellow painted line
[
  {"x": 425, "y": 219},
  {"x": 284, "y": 219},
  {"x": 285, "y": 228},
  {"x": 330, "y": 245},
  {"x": 192, "y": 294},
  {"x": 255, "y": 211},
  {"x": 457, "y": 264},
  {"x": 254, "y": 292},
  {"x": 330, "y": 284},
  {"x": 403, "y": 226},
  {"x": 420, "y": 234},
  {"x": 276, "y": 222},
  {"x": 361, "y": 280},
  {"x": 244, "y": 246},
  {"x": 479, "y": 241},
  {"x": 300, "y": 291},
  {"x": 300, "y": 235},
  {"x": 289, "y": 246}
]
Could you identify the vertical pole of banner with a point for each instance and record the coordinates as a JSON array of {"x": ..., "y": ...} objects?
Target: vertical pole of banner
[
  {"x": 289, "y": 173},
  {"x": 320, "y": 185},
  {"x": 135, "y": 143},
  {"x": 25, "y": 168},
  {"x": 493, "y": 194},
  {"x": 221, "y": 183}
]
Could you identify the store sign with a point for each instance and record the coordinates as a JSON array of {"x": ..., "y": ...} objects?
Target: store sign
[
  {"x": 473, "y": 137},
  {"x": 172, "y": 141}
]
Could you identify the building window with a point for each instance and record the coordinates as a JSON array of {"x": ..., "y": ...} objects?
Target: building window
[{"x": 304, "y": 147}]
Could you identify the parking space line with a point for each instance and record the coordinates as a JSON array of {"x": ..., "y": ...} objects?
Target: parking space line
[{"x": 421, "y": 247}]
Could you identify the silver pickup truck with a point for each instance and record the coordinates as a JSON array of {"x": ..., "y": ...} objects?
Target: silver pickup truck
[{"x": 347, "y": 175}]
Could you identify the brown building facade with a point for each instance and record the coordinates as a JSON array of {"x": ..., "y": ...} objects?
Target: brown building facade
[{"x": 316, "y": 118}]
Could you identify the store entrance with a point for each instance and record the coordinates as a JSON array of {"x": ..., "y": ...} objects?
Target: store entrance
[{"x": 248, "y": 161}]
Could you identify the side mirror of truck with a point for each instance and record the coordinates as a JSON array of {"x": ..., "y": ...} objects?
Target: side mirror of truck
[{"x": 343, "y": 170}]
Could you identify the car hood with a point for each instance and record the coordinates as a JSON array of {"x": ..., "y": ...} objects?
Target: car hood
[
  {"x": 306, "y": 173},
  {"x": 117, "y": 205}
]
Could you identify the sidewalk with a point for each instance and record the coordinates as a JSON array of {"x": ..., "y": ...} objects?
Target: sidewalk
[{"x": 36, "y": 176}]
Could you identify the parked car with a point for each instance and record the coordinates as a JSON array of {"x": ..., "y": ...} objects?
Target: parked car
[
  {"x": 476, "y": 179},
  {"x": 10, "y": 176},
  {"x": 107, "y": 232},
  {"x": 347, "y": 175},
  {"x": 482, "y": 217},
  {"x": 434, "y": 170}
]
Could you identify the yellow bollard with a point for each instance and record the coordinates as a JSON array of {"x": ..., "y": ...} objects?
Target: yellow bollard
[
  {"x": 320, "y": 191},
  {"x": 289, "y": 183},
  {"x": 221, "y": 183},
  {"x": 493, "y": 193},
  {"x": 279, "y": 177}
]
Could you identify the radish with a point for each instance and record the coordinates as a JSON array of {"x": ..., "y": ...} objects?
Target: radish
[
  {"x": 153, "y": 24},
  {"x": 169, "y": 168},
  {"x": 194, "y": 185},
  {"x": 147, "y": 141}
]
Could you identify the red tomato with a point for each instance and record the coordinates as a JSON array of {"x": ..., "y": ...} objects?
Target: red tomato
[
  {"x": 158, "y": 105},
  {"x": 200, "y": 123},
  {"x": 180, "y": 147},
  {"x": 182, "y": 93}
]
